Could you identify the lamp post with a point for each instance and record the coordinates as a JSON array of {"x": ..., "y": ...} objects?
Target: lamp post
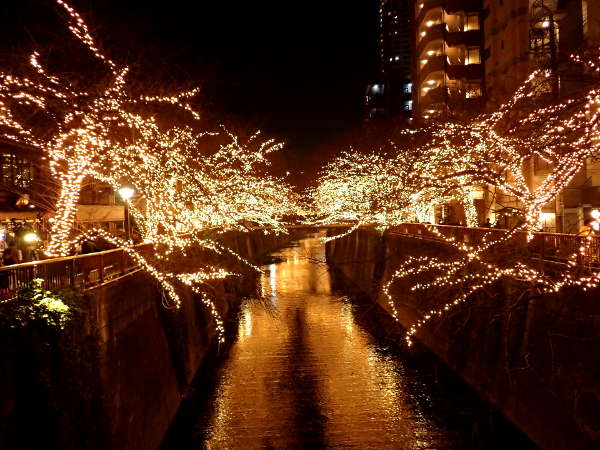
[{"x": 126, "y": 192}]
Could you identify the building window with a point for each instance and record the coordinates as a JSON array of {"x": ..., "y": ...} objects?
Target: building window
[
  {"x": 472, "y": 56},
  {"x": 16, "y": 171},
  {"x": 408, "y": 88},
  {"x": 472, "y": 22},
  {"x": 473, "y": 90},
  {"x": 408, "y": 106}
]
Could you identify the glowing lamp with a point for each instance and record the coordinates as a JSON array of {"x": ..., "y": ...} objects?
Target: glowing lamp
[
  {"x": 30, "y": 238},
  {"x": 126, "y": 192},
  {"x": 596, "y": 214}
]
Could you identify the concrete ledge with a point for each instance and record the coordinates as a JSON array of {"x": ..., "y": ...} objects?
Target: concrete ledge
[{"x": 534, "y": 357}]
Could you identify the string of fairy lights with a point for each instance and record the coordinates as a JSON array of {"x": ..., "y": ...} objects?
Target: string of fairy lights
[
  {"x": 455, "y": 162},
  {"x": 189, "y": 186}
]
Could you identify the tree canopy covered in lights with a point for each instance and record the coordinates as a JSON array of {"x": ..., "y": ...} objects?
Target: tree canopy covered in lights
[
  {"x": 455, "y": 161},
  {"x": 100, "y": 127}
]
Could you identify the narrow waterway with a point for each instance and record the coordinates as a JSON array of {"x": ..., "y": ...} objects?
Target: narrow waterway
[{"x": 309, "y": 368}]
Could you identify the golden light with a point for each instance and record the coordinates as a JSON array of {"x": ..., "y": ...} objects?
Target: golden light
[
  {"x": 30, "y": 238},
  {"x": 191, "y": 189},
  {"x": 126, "y": 192}
]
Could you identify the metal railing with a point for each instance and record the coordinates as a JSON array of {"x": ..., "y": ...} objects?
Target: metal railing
[
  {"x": 80, "y": 271},
  {"x": 548, "y": 246}
]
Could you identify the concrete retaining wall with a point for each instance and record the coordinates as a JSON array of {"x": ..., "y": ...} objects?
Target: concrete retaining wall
[
  {"x": 145, "y": 356},
  {"x": 534, "y": 357}
]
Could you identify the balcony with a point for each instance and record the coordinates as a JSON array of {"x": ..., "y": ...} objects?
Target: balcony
[
  {"x": 470, "y": 72},
  {"x": 428, "y": 5},
  {"x": 435, "y": 95},
  {"x": 471, "y": 38},
  {"x": 433, "y": 33},
  {"x": 434, "y": 64}
]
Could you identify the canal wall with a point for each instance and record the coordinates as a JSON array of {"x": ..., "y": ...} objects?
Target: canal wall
[
  {"x": 532, "y": 356},
  {"x": 133, "y": 362}
]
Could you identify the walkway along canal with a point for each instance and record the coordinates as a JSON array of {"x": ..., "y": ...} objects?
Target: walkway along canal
[{"x": 310, "y": 368}]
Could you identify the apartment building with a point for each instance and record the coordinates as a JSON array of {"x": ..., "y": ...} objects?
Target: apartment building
[
  {"x": 519, "y": 37},
  {"x": 448, "y": 71},
  {"x": 391, "y": 94}
]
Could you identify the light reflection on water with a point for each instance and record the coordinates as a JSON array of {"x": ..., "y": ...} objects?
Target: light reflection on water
[
  {"x": 309, "y": 375},
  {"x": 304, "y": 373}
]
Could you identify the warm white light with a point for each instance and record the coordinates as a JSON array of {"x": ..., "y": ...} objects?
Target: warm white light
[
  {"x": 595, "y": 214},
  {"x": 126, "y": 192},
  {"x": 30, "y": 238}
]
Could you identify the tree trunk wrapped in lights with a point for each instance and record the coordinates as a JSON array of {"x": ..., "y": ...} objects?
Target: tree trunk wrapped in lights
[{"x": 95, "y": 127}]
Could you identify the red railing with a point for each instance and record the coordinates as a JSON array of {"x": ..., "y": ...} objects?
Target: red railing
[
  {"x": 81, "y": 271},
  {"x": 548, "y": 246}
]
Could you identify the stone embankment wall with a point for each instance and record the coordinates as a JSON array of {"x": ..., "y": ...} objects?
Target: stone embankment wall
[
  {"x": 535, "y": 357},
  {"x": 144, "y": 357}
]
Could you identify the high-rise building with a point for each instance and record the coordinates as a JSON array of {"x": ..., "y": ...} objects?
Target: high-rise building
[
  {"x": 448, "y": 57},
  {"x": 391, "y": 95},
  {"x": 524, "y": 35}
]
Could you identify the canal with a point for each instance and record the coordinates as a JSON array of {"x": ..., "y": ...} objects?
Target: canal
[{"x": 308, "y": 367}]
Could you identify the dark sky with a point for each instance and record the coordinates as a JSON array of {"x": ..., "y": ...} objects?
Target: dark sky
[{"x": 297, "y": 69}]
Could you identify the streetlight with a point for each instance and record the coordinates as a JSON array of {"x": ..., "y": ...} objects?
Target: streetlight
[{"x": 126, "y": 192}]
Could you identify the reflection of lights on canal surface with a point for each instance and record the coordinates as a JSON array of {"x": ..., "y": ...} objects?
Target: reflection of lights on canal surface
[
  {"x": 273, "y": 281},
  {"x": 308, "y": 374},
  {"x": 309, "y": 369}
]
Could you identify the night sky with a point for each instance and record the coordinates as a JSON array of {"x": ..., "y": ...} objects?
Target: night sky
[{"x": 297, "y": 70}]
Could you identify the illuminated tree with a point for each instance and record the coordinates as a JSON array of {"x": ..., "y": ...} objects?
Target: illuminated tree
[
  {"x": 448, "y": 161},
  {"x": 187, "y": 183}
]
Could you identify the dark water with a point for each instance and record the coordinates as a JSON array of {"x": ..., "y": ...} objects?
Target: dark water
[{"x": 309, "y": 368}]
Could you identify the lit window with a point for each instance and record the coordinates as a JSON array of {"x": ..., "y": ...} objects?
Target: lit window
[
  {"x": 473, "y": 56},
  {"x": 408, "y": 105},
  {"x": 472, "y": 22},
  {"x": 473, "y": 90}
]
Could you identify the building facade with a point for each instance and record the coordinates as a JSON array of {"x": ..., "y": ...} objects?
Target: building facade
[
  {"x": 524, "y": 35},
  {"x": 391, "y": 94},
  {"x": 28, "y": 194},
  {"x": 448, "y": 63}
]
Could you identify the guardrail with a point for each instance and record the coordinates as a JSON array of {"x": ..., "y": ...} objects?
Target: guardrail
[
  {"x": 548, "y": 246},
  {"x": 80, "y": 271}
]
